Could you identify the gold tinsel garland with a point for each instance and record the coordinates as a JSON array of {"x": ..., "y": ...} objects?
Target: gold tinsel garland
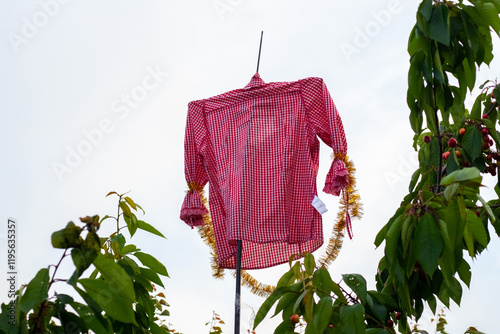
[{"x": 332, "y": 249}]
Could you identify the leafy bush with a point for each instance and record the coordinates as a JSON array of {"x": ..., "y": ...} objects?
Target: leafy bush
[{"x": 119, "y": 296}]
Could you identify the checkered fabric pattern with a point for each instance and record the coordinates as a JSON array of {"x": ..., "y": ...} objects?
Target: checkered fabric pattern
[{"x": 258, "y": 149}]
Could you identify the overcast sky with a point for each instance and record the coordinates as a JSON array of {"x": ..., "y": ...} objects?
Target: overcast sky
[{"x": 93, "y": 98}]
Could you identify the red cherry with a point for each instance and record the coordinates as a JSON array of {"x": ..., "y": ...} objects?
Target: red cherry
[
  {"x": 462, "y": 131},
  {"x": 294, "y": 318},
  {"x": 466, "y": 164},
  {"x": 452, "y": 142},
  {"x": 494, "y": 155},
  {"x": 477, "y": 213},
  {"x": 390, "y": 323},
  {"x": 331, "y": 326},
  {"x": 491, "y": 142},
  {"x": 484, "y": 131},
  {"x": 427, "y": 139},
  {"x": 485, "y": 116},
  {"x": 486, "y": 146},
  {"x": 398, "y": 315},
  {"x": 488, "y": 157},
  {"x": 446, "y": 155}
]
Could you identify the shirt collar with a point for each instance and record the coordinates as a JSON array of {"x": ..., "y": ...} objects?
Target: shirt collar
[{"x": 256, "y": 81}]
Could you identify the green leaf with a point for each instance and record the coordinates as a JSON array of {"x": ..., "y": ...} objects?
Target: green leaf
[
  {"x": 108, "y": 295},
  {"x": 125, "y": 208},
  {"x": 466, "y": 176},
  {"x": 299, "y": 300},
  {"x": 474, "y": 231},
  {"x": 117, "y": 243},
  {"x": 452, "y": 164},
  {"x": 469, "y": 72},
  {"x": 450, "y": 190},
  {"x": 439, "y": 24},
  {"x": 288, "y": 278},
  {"x": 94, "y": 321},
  {"x": 147, "y": 227},
  {"x": 309, "y": 263},
  {"x": 487, "y": 207},
  {"x": 454, "y": 289},
  {"x": 132, "y": 223},
  {"x": 269, "y": 302},
  {"x": 414, "y": 179},
  {"x": 131, "y": 203},
  {"x": 476, "y": 109},
  {"x": 104, "y": 218},
  {"x": 379, "y": 331},
  {"x": 151, "y": 275},
  {"x": 129, "y": 249},
  {"x": 425, "y": 9},
  {"x": 428, "y": 243},
  {"x": 392, "y": 239},
  {"x": 322, "y": 313},
  {"x": 9, "y": 324},
  {"x": 151, "y": 262},
  {"x": 116, "y": 275},
  {"x": 288, "y": 298},
  {"x": 440, "y": 77},
  {"x": 352, "y": 319},
  {"x": 416, "y": 119},
  {"x": 357, "y": 283},
  {"x": 376, "y": 307},
  {"x": 309, "y": 304},
  {"x": 490, "y": 14},
  {"x": 448, "y": 236},
  {"x": 155, "y": 329},
  {"x": 472, "y": 142},
  {"x": 471, "y": 32},
  {"x": 36, "y": 292},
  {"x": 67, "y": 237},
  {"x": 82, "y": 258},
  {"x": 407, "y": 232},
  {"x": 475, "y": 16},
  {"x": 64, "y": 299},
  {"x": 464, "y": 272},
  {"x": 381, "y": 235},
  {"x": 324, "y": 283}
]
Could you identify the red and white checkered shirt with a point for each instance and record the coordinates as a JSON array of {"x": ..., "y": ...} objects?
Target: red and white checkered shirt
[{"x": 258, "y": 149}]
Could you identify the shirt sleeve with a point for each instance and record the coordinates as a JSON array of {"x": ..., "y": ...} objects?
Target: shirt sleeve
[
  {"x": 193, "y": 208},
  {"x": 328, "y": 126}
]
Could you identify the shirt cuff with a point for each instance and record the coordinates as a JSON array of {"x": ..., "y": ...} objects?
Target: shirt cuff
[
  {"x": 337, "y": 178},
  {"x": 193, "y": 209}
]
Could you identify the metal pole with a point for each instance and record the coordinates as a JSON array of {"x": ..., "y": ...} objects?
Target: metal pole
[
  {"x": 237, "y": 303},
  {"x": 260, "y": 47},
  {"x": 239, "y": 249}
]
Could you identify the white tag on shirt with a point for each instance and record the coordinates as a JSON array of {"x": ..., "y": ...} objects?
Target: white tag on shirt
[{"x": 319, "y": 205}]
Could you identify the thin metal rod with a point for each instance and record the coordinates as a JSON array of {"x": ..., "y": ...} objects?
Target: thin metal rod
[
  {"x": 260, "y": 48},
  {"x": 237, "y": 299},
  {"x": 239, "y": 250}
]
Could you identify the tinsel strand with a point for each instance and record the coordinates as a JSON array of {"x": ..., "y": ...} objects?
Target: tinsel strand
[{"x": 332, "y": 249}]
